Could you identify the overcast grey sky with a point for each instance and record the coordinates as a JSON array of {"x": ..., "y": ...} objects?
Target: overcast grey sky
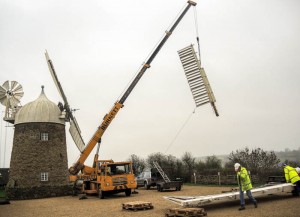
[{"x": 249, "y": 49}]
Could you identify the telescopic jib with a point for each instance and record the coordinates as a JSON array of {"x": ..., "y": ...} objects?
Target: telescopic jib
[{"x": 119, "y": 104}]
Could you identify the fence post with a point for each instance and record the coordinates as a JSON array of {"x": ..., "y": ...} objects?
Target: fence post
[
  {"x": 195, "y": 179},
  {"x": 219, "y": 174}
]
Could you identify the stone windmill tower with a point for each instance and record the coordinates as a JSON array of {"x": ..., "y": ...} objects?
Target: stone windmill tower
[{"x": 39, "y": 164}]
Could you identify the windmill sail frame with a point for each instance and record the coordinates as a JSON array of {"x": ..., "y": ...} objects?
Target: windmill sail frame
[
  {"x": 74, "y": 127},
  {"x": 10, "y": 94},
  {"x": 196, "y": 77}
]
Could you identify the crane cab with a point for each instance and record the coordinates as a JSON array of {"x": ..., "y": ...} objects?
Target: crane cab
[{"x": 109, "y": 177}]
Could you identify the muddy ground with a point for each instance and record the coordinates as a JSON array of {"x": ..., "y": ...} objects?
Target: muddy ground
[{"x": 281, "y": 205}]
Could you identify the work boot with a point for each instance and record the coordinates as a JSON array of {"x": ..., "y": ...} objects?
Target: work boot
[
  {"x": 255, "y": 204},
  {"x": 242, "y": 208}
]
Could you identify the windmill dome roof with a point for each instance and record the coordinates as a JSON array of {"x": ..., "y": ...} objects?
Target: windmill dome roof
[{"x": 41, "y": 110}]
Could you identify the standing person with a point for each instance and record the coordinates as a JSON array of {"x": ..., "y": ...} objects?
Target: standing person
[
  {"x": 292, "y": 176},
  {"x": 244, "y": 183}
]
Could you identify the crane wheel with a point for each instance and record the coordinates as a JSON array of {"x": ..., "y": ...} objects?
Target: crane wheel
[
  {"x": 146, "y": 186},
  {"x": 127, "y": 192}
]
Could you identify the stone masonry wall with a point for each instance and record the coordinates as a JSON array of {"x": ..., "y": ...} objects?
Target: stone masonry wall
[{"x": 31, "y": 156}]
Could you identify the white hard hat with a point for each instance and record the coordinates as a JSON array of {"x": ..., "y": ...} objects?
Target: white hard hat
[
  {"x": 298, "y": 170},
  {"x": 236, "y": 166}
]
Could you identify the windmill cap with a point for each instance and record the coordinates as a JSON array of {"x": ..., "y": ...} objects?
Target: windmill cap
[{"x": 236, "y": 166}]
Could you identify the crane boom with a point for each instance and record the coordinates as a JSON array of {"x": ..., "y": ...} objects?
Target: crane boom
[{"x": 119, "y": 104}]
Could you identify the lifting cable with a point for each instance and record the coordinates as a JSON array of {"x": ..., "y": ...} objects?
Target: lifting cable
[
  {"x": 197, "y": 34},
  {"x": 189, "y": 117},
  {"x": 186, "y": 121}
]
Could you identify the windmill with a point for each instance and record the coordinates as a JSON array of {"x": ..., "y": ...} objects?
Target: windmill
[
  {"x": 69, "y": 117},
  {"x": 10, "y": 94}
]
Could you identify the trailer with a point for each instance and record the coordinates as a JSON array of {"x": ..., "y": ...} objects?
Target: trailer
[
  {"x": 176, "y": 185},
  {"x": 166, "y": 183},
  {"x": 195, "y": 201}
]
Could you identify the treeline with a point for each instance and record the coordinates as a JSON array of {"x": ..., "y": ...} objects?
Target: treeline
[
  {"x": 293, "y": 155},
  {"x": 259, "y": 162}
]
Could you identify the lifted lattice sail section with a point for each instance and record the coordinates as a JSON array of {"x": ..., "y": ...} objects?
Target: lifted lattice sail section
[{"x": 199, "y": 85}]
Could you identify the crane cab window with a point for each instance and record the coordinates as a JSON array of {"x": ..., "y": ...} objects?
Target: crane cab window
[
  {"x": 44, "y": 177},
  {"x": 117, "y": 169},
  {"x": 44, "y": 137}
]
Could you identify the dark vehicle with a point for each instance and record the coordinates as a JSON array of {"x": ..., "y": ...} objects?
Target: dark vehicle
[{"x": 4, "y": 173}]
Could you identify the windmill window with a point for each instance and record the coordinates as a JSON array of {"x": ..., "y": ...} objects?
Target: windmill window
[
  {"x": 44, "y": 177},
  {"x": 44, "y": 137}
]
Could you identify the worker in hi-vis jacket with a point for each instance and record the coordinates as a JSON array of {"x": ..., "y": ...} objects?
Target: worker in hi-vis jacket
[
  {"x": 244, "y": 183},
  {"x": 292, "y": 176}
]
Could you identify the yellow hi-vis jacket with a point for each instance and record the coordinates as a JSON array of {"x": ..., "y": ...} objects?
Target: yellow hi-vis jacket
[
  {"x": 291, "y": 174},
  {"x": 244, "y": 181}
]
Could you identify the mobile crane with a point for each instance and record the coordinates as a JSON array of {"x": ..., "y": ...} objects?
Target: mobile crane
[{"x": 107, "y": 175}]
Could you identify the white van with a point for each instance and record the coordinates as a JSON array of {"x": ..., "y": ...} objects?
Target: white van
[{"x": 148, "y": 178}]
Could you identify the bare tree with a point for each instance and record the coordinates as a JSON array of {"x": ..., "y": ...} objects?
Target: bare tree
[
  {"x": 189, "y": 162},
  {"x": 211, "y": 165},
  {"x": 138, "y": 163},
  {"x": 160, "y": 158},
  {"x": 257, "y": 161},
  {"x": 212, "y": 162}
]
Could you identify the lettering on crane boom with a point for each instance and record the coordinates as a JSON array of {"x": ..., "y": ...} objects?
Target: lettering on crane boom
[{"x": 109, "y": 118}]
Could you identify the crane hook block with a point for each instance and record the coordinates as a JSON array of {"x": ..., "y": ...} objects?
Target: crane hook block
[
  {"x": 192, "y": 3},
  {"x": 168, "y": 33}
]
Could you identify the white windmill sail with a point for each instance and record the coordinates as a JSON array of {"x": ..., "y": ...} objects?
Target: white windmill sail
[
  {"x": 74, "y": 127},
  {"x": 197, "y": 79},
  {"x": 76, "y": 135}
]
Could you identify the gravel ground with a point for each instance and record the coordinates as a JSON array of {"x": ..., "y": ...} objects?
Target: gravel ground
[{"x": 282, "y": 204}]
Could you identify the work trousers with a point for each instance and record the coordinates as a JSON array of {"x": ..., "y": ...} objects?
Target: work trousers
[
  {"x": 297, "y": 187},
  {"x": 249, "y": 194}
]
